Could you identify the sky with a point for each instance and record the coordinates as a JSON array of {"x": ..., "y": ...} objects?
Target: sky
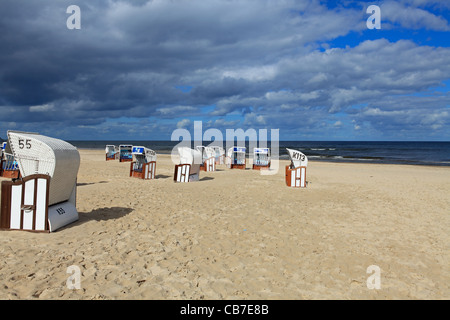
[{"x": 138, "y": 70}]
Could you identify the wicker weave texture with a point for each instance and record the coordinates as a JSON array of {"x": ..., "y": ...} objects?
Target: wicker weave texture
[{"x": 38, "y": 154}]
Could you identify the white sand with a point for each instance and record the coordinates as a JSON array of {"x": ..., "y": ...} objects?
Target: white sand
[{"x": 241, "y": 235}]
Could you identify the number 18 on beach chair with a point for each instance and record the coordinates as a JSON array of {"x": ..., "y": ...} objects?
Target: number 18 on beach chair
[
  {"x": 143, "y": 165},
  {"x": 44, "y": 198},
  {"x": 296, "y": 171}
]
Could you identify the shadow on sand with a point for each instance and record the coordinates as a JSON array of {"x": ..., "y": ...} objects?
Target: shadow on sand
[
  {"x": 161, "y": 176},
  {"x": 88, "y": 183},
  {"x": 103, "y": 214}
]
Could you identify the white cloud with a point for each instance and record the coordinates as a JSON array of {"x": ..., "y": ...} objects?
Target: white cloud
[
  {"x": 42, "y": 108},
  {"x": 412, "y": 17},
  {"x": 183, "y": 123}
]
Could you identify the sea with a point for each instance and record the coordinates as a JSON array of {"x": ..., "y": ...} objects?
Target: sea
[{"x": 399, "y": 152}]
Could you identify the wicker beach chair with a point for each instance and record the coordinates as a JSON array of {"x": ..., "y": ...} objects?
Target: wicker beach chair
[
  {"x": 44, "y": 198},
  {"x": 296, "y": 171},
  {"x": 261, "y": 158},
  {"x": 189, "y": 168},
  {"x": 219, "y": 154},
  {"x": 112, "y": 152},
  {"x": 208, "y": 158},
  {"x": 236, "y": 158},
  {"x": 143, "y": 165},
  {"x": 125, "y": 153}
]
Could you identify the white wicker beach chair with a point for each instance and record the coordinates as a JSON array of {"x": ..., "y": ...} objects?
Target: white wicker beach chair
[
  {"x": 296, "y": 171},
  {"x": 219, "y": 154},
  {"x": 261, "y": 158},
  {"x": 143, "y": 165},
  {"x": 125, "y": 153},
  {"x": 112, "y": 152},
  {"x": 8, "y": 166},
  {"x": 189, "y": 168},
  {"x": 44, "y": 199},
  {"x": 208, "y": 158},
  {"x": 236, "y": 157}
]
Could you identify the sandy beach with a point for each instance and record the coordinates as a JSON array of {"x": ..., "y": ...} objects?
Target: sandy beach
[{"x": 237, "y": 234}]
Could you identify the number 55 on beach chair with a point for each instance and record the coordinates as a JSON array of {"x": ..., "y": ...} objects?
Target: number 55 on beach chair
[
  {"x": 44, "y": 198},
  {"x": 296, "y": 171}
]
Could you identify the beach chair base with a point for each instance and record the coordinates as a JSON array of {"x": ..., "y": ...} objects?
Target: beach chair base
[
  {"x": 147, "y": 173},
  {"x": 220, "y": 160},
  {"x": 125, "y": 160},
  {"x": 108, "y": 158},
  {"x": 296, "y": 177},
  {"x": 258, "y": 167},
  {"x": 237, "y": 166},
  {"x": 11, "y": 174},
  {"x": 209, "y": 165},
  {"x": 25, "y": 206},
  {"x": 183, "y": 174}
]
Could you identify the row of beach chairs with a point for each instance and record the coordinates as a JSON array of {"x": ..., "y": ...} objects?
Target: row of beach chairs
[
  {"x": 41, "y": 196},
  {"x": 192, "y": 161}
]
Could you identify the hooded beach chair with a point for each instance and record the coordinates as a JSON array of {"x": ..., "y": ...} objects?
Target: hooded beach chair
[
  {"x": 189, "y": 168},
  {"x": 8, "y": 165},
  {"x": 44, "y": 198},
  {"x": 296, "y": 171},
  {"x": 236, "y": 158},
  {"x": 112, "y": 152},
  {"x": 125, "y": 153},
  {"x": 143, "y": 165},
  {"x": 261, "y": 158},
  {"x": 219, "y": 154},
  {"x": 208, "y": 158}
]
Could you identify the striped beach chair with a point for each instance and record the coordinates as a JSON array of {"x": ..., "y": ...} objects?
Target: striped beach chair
[
  {"x": 189, "y": 168},
  {"x": 261, "y": 158},
  {"x": 112, "y": 152},
  {"x": 143, "y": 165},
  {"x": 296, "y": 171},
  {"x": 44, "y": 198},
  {"x": 236, "y": 158}
]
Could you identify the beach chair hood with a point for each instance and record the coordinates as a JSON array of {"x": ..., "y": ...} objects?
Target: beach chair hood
[
  {"x": 148, "y": 154},
  {"x": 189, "y": 156},
  {"x": 298, "y": 159}
]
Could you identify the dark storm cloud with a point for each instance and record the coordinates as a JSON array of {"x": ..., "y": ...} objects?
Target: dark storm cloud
[{"x": 262, "y": 60}]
